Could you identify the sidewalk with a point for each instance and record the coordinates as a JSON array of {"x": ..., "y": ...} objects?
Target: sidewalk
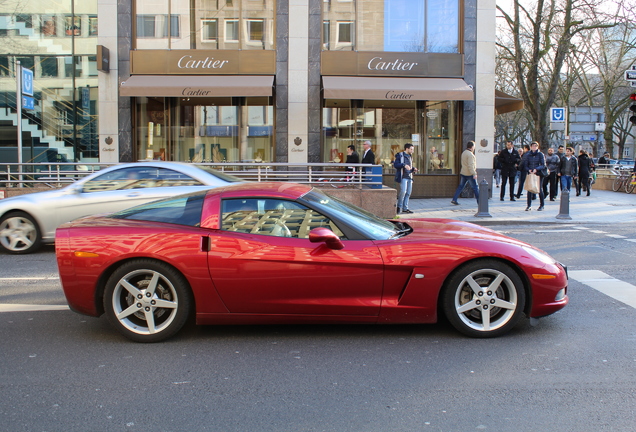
[{"x": 600, "y": 207}]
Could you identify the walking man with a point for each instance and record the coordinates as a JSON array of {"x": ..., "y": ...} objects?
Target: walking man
[
  {"x": 522, "y": 173},
  {"x": 552, "y": 161},
  {"x": 509, "y": 160},
  {"x": 533, "y": 162},
  {"x": 468, "y": 172},
  {"x": 404, "y": 170},
  {"x": 568, "y": 169},
  {"x": 585, "y": 172}
]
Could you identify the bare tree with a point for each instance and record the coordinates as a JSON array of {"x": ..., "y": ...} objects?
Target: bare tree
[{"x": 538, "y": 40}]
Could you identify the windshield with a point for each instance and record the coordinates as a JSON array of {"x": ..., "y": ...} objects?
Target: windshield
[
  {"x": 369, "y": 224},
  {"x": 227, "y": 177}
]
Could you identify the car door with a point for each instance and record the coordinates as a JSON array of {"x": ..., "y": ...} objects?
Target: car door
[
  {"x": 262, "y": 262},
  {"x": 124, "y": 188}
]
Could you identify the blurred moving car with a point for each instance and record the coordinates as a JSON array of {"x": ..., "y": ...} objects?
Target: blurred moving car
[
  {"x": 273, "y": 253},
  {"x": 27, "y": 221}
]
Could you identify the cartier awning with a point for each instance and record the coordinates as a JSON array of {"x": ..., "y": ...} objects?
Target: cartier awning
[
  {"x": 197, "y": 85},
  {"x": 504, "y": 103},
  {"x": 387, "y": 88}
]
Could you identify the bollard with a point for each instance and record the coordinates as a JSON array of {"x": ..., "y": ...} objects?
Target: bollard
[
  {"x": 564, "y": 209},
  {"x": 482, "y": 208}
]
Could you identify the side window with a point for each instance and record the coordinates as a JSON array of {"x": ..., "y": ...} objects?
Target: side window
[
  {"x": 138, "y": 178},
  {"x": 184, "y": 210},
  {"x": 275, "y": 217}
]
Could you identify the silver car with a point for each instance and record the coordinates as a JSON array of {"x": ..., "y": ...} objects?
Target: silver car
[{"x": 29, "y": 220}]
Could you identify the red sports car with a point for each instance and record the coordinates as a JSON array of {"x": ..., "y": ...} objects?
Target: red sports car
[{"x": 273, "y": 253}]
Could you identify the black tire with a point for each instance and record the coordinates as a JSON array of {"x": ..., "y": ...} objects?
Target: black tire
[
  {"x": 19, "y": 233},
  {"x": 618, "y": 182},
  {"x": 629, "y": 187},
  {"x": 147, "y": 301},
  {"x": 484, "y": 289}
]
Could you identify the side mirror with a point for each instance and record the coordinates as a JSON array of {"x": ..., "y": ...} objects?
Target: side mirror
[{"x": 325, "y": 235}]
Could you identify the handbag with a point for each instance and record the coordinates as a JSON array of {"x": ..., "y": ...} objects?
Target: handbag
[
  {"x": 544, "y": 172},
  {"x": 532, "y": 183}
]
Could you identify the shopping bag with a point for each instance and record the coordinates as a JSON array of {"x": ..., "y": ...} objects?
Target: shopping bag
[{"x": 532, "y": 183}]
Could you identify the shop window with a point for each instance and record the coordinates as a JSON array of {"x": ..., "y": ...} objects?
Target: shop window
[
  {"x": 26, "y": 62},
  {"x": 255, "y": 31},
  {"x": 231, "y": 30},
  {"x": 92, "y": 65},
  {"x": 326, "y": 37},
  {"x": 72, "y": 25},
  {"x": 173, "y": 28},
  {"x": 210, "y": 30},
  {"x": 145, "y": 26},
  {"x": 48, "y": 25},
  {"x": 49, "y": 67},
  {"x": 71, "y": 67},
  {"x": 4, "y": 66},
  {"x": 92, "y": 25},
  {"x": 23, "y": 20},
  {"x": 345, "y": 33}
]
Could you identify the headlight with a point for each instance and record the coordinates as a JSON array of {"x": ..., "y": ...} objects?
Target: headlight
[{"x": 544, "y": 258}]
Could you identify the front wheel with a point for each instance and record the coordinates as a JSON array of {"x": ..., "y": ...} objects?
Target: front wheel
[
  {"x": 618, "y": 182},
  {"x": 484, "y": 299},
  {"x": 630, "y": 186},
  {"x": 147, "y": 301},
  {"x": 19, "y": 233}
]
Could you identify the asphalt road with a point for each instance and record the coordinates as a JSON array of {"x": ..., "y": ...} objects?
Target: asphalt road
[{"x": 574, "y": 371}]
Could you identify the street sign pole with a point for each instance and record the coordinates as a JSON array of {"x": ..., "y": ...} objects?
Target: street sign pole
[{"x": 18, "y": 108}]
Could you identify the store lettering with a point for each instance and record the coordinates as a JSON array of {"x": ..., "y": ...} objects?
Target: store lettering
[
  {"x": 376, "y": 63},
  {"x": 108, "y": 149},
  {"x": 299, "y": 150},
  {"x": 393, "y": 95},
  {"x": 186, "y": 62},
  {"x": 189, "y": 91}
]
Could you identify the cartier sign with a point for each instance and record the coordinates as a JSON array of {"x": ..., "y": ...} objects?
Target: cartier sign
[
  {"x": 374, "y": 63},
  {"x": 203, "y": 62}
]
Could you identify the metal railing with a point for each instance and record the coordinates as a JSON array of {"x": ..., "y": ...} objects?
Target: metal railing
[{"x": 53, "y": 175}]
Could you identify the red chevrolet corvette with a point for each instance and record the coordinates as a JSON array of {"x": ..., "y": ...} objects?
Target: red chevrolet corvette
[{"x": 273, "y": 253}]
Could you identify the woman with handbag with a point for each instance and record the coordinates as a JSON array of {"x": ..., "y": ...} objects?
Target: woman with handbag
[{"x": 533, "y": 163}]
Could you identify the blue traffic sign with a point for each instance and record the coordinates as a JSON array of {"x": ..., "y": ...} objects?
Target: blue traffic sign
[
  {"x": 557, "y": 115},
  {"x": 27, "y": 81},
  {"x": 28, "y": 102}
]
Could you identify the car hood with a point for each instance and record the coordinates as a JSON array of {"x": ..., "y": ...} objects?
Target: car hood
[{"x": 449, "y": 229}]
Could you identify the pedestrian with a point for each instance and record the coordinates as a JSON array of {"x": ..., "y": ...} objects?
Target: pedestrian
[
  {"x": 404, "y": 171},
  {"x": 509, "y": 160},
  {"x": 604, "y": 160},
  {"x": 468, "y": 172},
  {"x": 496, "y": 169},
  {"x": 561, "y": 155},
  {"x": 585, "y": 172},
  {"x": 533, "y": 162},
  {"x": 522, "y": 173},
  {"x": 367, "y": 157},
  {"x": 352, "y": 158},
  {"x": 568, "y": 169},
  {"x": 552, "y": 161}
]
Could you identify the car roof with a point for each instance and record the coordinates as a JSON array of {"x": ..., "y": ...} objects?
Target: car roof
[{"x": 273, "y": 189}]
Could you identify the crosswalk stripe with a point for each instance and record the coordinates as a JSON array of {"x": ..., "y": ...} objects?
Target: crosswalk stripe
[
  {"x": 617, "y": 289},
  {"x": 616, "y": 236},
  {"x": 8, "y": 307}
]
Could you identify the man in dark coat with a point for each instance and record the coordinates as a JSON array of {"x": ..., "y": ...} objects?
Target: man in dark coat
[
  {"x": 368, "y": 158},
  {"x": 508, "y": 159},
  {"x": 585, "y": 172}
]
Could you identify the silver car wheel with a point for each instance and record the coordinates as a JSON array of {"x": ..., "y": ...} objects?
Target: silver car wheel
[
  {"x": 484, "y": 299},
  {"x": 19, "y": 233}
]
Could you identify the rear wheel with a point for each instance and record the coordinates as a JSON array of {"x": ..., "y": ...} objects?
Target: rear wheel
[
  {"x": 630, "y": 186},
  {"x": 19, "y": 233},
  {"x": 484, "y": 299},
  {"x": 147, "y": 301}
]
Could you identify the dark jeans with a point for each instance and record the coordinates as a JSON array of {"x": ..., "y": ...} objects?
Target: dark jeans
[
  {"x": 552, "y": 181},
  {"x": 511, "y": 180},
  {"x": 541, "y": 198},
  {"x": 522, "y": 180},
  {"x": 473, "y": 183},
  {"x": 583, "y": 183}
]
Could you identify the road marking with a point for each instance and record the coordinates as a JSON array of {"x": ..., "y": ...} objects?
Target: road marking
[
  {"x": 598, "y": 231},
  {"x": 616, "y": 236},
  {"x": 581, "y": 228},
  {"x": 631, "y": 240},
  {"x": 8, "y": 307},
  {"x": 617, "y": 289},
  {"x": 556, "y": 231}
]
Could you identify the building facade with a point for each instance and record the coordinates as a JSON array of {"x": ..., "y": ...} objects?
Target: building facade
[{"x": 287, "y": 81}]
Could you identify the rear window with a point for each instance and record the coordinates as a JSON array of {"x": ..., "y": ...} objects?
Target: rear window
[{"x": 183, "y": 210}]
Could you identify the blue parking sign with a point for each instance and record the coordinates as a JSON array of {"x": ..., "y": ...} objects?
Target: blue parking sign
[
  {"x": 27, "y": 81},
  {"x": 28, "y": 102},
  {"x": 557, "y": 115}
]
